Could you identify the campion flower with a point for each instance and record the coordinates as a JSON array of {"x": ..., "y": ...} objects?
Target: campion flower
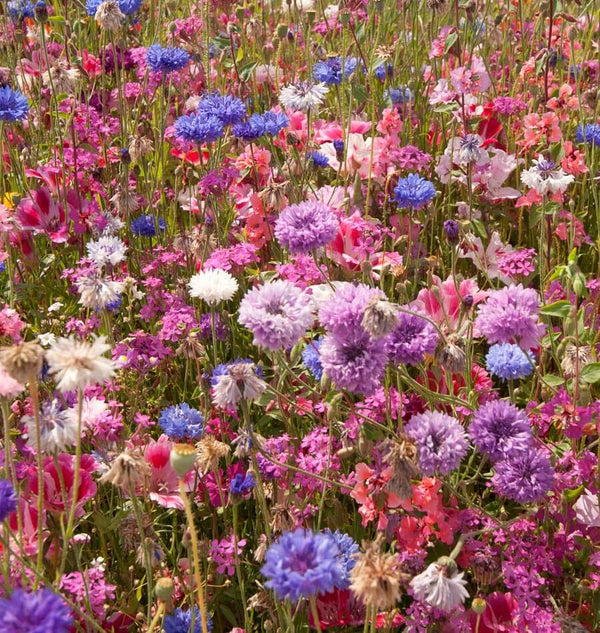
[
  {"x": 277, "y": 313},
  {"x": 441, "y": 441},
  {"x": 107, "y": 249},
  {"x": 147, "y": 225},
  {"x": 511, "y": 315},
  {"x": 199, "y": 128},
  {"x": 58, "y": 430},
  {"x": 180, "y": 621},
  {"x": 304, "y": 227},
  {"x": 237, "y": 381},
  {"x": 303, "y": 96},
  {"x": 413, "y": 192},
  {"x": 166, "y": 59},
  {"x": 334, "y": 70},
  {"x": 524, "y": 477},
  {"x": 499, "y": 429},
  {"x": 508, "y": 361},
  {"x": 13, "y": 104},
  {"x": 440, "y": 585},
  {"x": 546, "y": 178},
  {"x": 39, "y": 611},
  {"x": 354, "y": 362},
  {"x": 588, "y": 133},
  {"x": 303, "y": 564},
  {"x": 213, "y": 286},
  {"x": 8, "y": 499},
  {"x": 412, "y": 339},
  {"x": 312, "y": 359},
  {"x": 78, "y": 364},
  {"x": 181, "y": 421}
]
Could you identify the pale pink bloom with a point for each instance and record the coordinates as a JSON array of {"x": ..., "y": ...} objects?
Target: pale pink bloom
[
  {"x": 586, "y": 509},
  {"x": 164, "y": 481},
  {"x": 487, "y": 260},
  {"x": 357, "y": 155},
  {"x": 9, "y": 387},
  {"x": 442, "y": 93},
  {"x": 330, "y": 131}
]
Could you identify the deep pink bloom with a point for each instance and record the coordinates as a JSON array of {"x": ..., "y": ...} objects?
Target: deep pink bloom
[{"x": 39, "y": 212}]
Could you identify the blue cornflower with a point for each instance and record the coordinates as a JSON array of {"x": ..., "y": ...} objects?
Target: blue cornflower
[
  {"x": 18, "y": 10},
  {"x": 338, "y": 146},
  {"x": 384, "y": 70},
  {"x": 403, "y": 94},
  {"x": 508, "y": 361},
  {"x": 166, "y": 60},
  {"x": 312, "y": 359},
  {"x": 240, "y": 484},
  {"x": 413, "y": 192},
  {"x": 2, "y": 267},
  {"x": 198, "y": 128},
  {"x": 39, "y": 611},
  {"x": 227, "y": 109},
  {"x": 145, "y": 225},
  {"x": 13, "y": 104},
  {"x": 251, "y": 129},
  {"x": 180, "y": 421},
  {"x": 302, "y": 564},
  {"x": 113, "y": 306},
  {"x": 128, "y": 7},
  {"x": 335, "y": 69},
  {"x": 348, "y": 548},
  {"x": 8, "y": 499},
  {"x": 181, "y": 621},
  {"x": 274, "y": 122},
  {"x": 318, "y": 159},
  {"x": 590, "y": 133}
]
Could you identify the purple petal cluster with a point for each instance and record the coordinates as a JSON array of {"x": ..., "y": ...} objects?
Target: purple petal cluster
[
  {"x": 277, "y": 313},
  {"x": 413, "y": 338},
  {"x": 524, "y": 477},
  {"x": 511, "y": 315},
  {"x": 500, "y": 429},
  {"x": 304, "y": 227},
  {"x": 8, "y": 499},
  {"x": 441, "y": 441},
  {"x": 166, "y": 59},
  {"x": 302, "y": 564},
  {"x": 40, "y": 611}
]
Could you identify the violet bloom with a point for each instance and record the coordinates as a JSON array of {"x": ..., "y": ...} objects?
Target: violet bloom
[
  {"x": 412, "y": 339},
  {"x": 277, "y": 313},
  {"x": 525, "y": 477},
  {"x": 354, "y": 362},
  {"x": 35, "y": 611},
  {"x": 500, "y": 429},
  {"x": 440, "y": 440},
  {"x": 302, "y": 564},
  {"x": 304, "y": 227},
  {"x": 511, "y": 315}
]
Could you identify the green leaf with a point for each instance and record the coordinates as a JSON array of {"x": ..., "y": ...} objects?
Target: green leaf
[
  {"x": 447, "y": 107},
  {"x": 239, "y": 55},
  {"x": 558, "y": 309},
  {"x": 571, "y": 495},
  {"x": 450, "y": 41},
  {"x": 359, "y": 93},
  {"x": 591, "y": 373},
  {"x": 553, "y": 380}
]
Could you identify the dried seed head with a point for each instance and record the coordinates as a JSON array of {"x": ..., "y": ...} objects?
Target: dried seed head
[
  {"x": 23, "y": 362},
  {"x": 128, "y": 470},
  {"x": 210, "y": 451},
  {"x": 379, "y": 318},
  {"x": 402, "y": 459}
]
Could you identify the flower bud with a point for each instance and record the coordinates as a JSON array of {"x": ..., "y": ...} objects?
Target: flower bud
[
  {"x": 479, "y": 605},
  {"x": 182, "y": 458},
  {"x": 164, "y": 588}
]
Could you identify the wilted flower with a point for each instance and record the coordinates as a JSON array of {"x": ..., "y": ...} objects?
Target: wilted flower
[
  {"x": 379, "y": 318},
  {"x": 238, "y": 380},
  {"x": 22, "y": 362},
  {"x": 440, "y": 585},
  {"x": 109, "y": 15},
  {"x": 128, "y": 470}
]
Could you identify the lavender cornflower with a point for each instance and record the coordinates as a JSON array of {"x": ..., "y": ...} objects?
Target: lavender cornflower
[
  {"x": 334, "y": 70},
  {"x": 277, "y": 313},
  {"x": 304, "y": 227},
  {"x": 13, "y": 104},
  {"x": 590, "y": 133},
  {"x": 302, "y": 564},
  {"x": 181, "y": 621},
  {"x": 181, "y": 421},
  {"x": 35, "y": 612},
  {"x": 509, "y": 315},
  {"x": 413, "y": 192},
  {"x": 500, "y": 429},
  {"x": 413, "y": 338},
  {"x": 354, "y": 362},
  {"x": 440, "y": 440},
  {"x": 8, "y": 499},
  {"x": 312, "y": 358},
  {"x": 166, "y": 60},
  {"x": 508, "y": 361},
  {"x": 199, "y": 127},
  {"x": 524, "y": 477}
]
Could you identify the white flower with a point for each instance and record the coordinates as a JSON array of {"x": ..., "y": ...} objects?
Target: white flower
[
  {"x": 79, "y": 364},
  {"x": 108, "y": 249},
  {"x": 586, "y": 509},
  {"x": 440, "y": 585},
  {"x": 55, "y": 307},
  {"x": 304, "y": 96},
  {"x": 487, "y": 259},
  {"x": 546, "y": 178},
  {"x": 239, "y": 380},
  {"x": 213, "y": 286},
  {"x": 109, "y": 15},
  {"x": 92, "y": 410},
  {"x": 57, "y": 430},
  {"x": 97, "y": 293}
]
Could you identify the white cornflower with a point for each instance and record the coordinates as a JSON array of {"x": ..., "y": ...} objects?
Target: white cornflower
[
  {"x": 213, "y": 286},
  {"x": 546, "y": 178},
  {"x": 109, "y": 15},
  {"x": 61, "y": 77},
  {"x": 304, "y": 96},
  {"x": 107, "y": 249},
  {"x": 55, "y": 307},
  {"x": 97, "y": 293},
  {"x": 440, "y": 585},
  {"x": 57, "y": 429},
  {"x": 239, "y": 380},
  {"x": 79, "y": 364}
]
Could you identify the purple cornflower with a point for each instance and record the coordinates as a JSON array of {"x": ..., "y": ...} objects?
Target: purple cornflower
[
  {"x": 343, "y": 313},
  {"x": 511, "y": 315},
  {"x": 413, "y": 192},
  {"x": 36, "y": 612},
  {"x": 198, "y": 127},
  {"x": 166, "y": 60},
  {"x": 508, "y": 361},
  {"x": 452, "y": 231},
  {"x": 500, "y": 429},
  {"x": 440, "y": 439},
  {"x": 304, "y": 227},
  {"x": 524, "y": 477},
  {"x": 181, "y": 621},
  {"x": 312, "y": 359},
  {"x": 355, "y": 362},
  {"x": 412, "y": 339},
  {"x": 145, "y": 225},
  {"x": 277, "y": 313},
  {"x": 348, "y": 549},
  {"x": 241, "y": 484},
  {"x": 302, "y": 564},
  {"x": 205, "y": 327},
  {"x": 8, "y": 499},
  {"x": 181, "y": 421}
]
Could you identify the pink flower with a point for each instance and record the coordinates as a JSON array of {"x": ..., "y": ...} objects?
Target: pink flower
[
  {"x": 586, "y": 509},
  {"x": 223, "y": 553},
  {"x": 9, "y": 387},
  {"x": 164, "y": 482},
  {"x": 40, "y": 213},
  {"x": 371, "y": 492},
  {"x": 499, "y": 615},
  {"x": 487, "y": 260}
]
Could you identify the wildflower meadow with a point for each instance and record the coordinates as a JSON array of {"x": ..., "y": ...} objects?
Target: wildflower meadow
[{"x": 299, "y": 316}]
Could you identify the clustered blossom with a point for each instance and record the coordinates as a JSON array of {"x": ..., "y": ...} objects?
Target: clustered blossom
[{"x": 304, "y": 227}]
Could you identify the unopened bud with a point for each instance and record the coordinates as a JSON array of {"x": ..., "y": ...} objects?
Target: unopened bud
[
  {"x": 182, "y": 458},
  {"x": 164, "y": 588}
]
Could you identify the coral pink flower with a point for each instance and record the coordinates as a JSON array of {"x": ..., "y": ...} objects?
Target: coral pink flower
[
  {"x": 28, "y": 539},
  {"x": 164, "y": 482},
  {"x": 371, "y": 492},
  {"x": 541, "y": 128}
]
